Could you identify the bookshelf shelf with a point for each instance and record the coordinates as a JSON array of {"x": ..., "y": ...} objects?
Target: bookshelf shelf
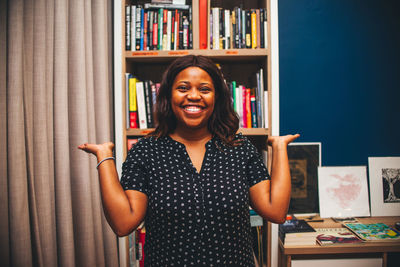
[
  {"x": 244, "y": 131},
  {"x": 228, "y": 54}
]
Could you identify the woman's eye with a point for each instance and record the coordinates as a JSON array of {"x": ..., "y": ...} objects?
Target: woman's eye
[
  {"x": 182, "y": 88},
  {"x": 205, "y": 89}
]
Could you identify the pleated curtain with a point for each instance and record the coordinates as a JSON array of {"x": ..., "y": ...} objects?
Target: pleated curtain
[{"x": 56, "y": 93}]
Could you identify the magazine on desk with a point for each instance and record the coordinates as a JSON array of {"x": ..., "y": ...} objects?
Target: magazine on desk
[
  {"x": 377, "y": 232},
  {"x": 336, "y": 236}
]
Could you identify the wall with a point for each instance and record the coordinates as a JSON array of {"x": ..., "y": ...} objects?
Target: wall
[{"x": 340, "y": 77}]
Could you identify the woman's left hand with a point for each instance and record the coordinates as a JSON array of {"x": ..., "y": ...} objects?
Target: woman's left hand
[{"x": 282, "y": 141}]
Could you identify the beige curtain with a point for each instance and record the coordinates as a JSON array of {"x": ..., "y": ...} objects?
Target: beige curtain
[{"x": 57, "y": 95}]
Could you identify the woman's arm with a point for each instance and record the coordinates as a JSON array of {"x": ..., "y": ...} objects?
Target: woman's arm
[
  {"x": 270, "y": 199},
  {"x": 124, "y": 210}
]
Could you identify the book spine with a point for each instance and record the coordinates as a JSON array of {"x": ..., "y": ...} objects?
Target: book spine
[
  {"x": 141, "y": 29},
  {"x": 133, "y": 28},
  {"x": 234, "y": 97},
  {"x": 155, "y": 31},
  {"x": 132, "y": 103},
  {"x": 203, "y": 19},
  {"x": 227, "y": 29},
  {"x": 243, "y": 27},
  {"x": 261, "y": 29},
  {"x": 248, "y": 107},
  {"x": 258, "y": 27},
  {"x": 248, "y": 29},
  {"x": 141, "y": 106},
  {"x": 165, "y": 30},
  {"x": 137, "y": 27},
  {"x": 254, "y": 123},
  {"x": 190, "y": 30},
  {"x": 150, "y": 29},
  {"x": 127, "y": 27},
  {"x": 145, "y": 29},
  {"x": 185, "y": 32},
  {"x": 160, "y": 28},
  {"x": 253, "y": 29},
  {"x": 149, "y": 104},
  {"x": 244, "y": 101},
  {"x": 127, "y": 77}
]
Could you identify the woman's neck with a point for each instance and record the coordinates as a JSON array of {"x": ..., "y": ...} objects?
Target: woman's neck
[{"x": 191, "y": 136}]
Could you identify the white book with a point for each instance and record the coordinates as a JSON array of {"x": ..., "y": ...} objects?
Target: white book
[
  {"x": 169, "y": 29},
  {"x": 227, "y": 29},
  {"x": 141, "y": 105},
  {"x": 175, "y": 35},
  {"x": 265, "y": 34},
  {"x": 215, "y": 12},
  {"x": 240, "y": 103}
]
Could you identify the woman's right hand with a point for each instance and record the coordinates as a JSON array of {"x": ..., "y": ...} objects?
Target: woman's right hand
[{"x": 99, "y": 150}]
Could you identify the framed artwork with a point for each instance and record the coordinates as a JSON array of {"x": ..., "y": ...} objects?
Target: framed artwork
[
  {"x": 343, "y": 192},
  {"x": 384, "y": 184},
  {"x": 304, "y": 159}
]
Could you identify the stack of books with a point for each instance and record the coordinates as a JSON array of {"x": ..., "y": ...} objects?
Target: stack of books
[{"x": 297, "y": 233}]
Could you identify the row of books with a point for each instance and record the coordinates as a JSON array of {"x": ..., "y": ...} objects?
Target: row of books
[
  {"x": 158, "y": 27},
  {"x": 237, "y": 28},
  {"x": 299, "y": 233},
  {"x": 251, "y": 104},
  {"x": 140, "y": 100}
]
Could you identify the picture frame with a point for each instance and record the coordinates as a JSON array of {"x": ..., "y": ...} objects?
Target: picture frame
[
  {"x": 343, "y": 192},
  {"x": 384, "y": 184},
  {"x": 304, "y": 159}
]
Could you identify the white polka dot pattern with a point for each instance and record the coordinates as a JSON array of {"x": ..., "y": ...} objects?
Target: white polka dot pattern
[{"x": 195, "y": 219}]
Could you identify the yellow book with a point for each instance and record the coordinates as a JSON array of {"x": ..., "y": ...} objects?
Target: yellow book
[
  {"x": 253, "y": 29},
  {"x": 132, "y": 103}
]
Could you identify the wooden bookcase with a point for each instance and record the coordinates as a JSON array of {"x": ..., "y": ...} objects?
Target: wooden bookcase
[{"x": 236, "y": 64}]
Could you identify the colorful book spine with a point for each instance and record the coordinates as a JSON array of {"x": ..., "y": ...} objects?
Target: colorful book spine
[
  {"x": 203, "y": 20},
  {"x": 248, "y": 107},
  {"x": 253, "y": 29},
  {"x": 133, "y": 123}
]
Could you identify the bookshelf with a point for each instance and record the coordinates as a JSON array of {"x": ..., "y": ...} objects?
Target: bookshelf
[{"x": 240, "y": 64}]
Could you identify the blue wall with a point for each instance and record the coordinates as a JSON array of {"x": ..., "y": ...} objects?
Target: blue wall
[{"x": 340, "y": 77}]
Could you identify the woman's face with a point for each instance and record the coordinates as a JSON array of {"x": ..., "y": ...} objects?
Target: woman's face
[{"x": 192, "y": 98}]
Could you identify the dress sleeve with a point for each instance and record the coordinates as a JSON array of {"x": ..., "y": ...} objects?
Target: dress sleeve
[
  {"x": 256, "y": 169},
  {"x": 134, "y": 173}
]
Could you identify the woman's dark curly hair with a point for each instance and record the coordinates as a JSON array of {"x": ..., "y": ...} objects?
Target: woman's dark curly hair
[{"x": 223, "y": 122}]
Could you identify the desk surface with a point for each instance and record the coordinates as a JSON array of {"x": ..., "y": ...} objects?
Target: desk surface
[{"x": 366, "y": 247}]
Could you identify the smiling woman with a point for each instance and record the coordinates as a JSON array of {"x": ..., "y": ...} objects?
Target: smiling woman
[{"x": 193, "y": 178}]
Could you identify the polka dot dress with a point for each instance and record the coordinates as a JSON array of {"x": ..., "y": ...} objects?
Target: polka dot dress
[{"x": 195, "y": 219}]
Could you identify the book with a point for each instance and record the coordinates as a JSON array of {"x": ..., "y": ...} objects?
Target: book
[
  {"x": 132, "y": 103},
  {"x": 375, "y": 232},
  {"x": 141, "y": 105},
  {"x": 336, "y": 236},
  {"x": 149, "y": 103},
  {"x": 294, "y": 231},
  {"x": 203, "y": 21}
]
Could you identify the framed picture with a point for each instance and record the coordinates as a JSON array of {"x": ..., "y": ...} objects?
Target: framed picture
[
  {"x": 384, "y": 184},
  {"x": 304, "y": 159},
  {"x": 343, "y": 192}
]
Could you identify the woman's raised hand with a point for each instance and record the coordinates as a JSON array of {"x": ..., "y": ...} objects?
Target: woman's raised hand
[
  {"x": 99, "y": 150},
  {"x": 282, "y": 141}
]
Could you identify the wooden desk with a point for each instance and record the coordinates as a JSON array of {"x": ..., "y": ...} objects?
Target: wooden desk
[{"x": 367, "y": 249}]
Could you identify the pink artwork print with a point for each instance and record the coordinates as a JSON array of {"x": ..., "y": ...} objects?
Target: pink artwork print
[
  {"x": 343, "y": 191},
  {"x": 347, "y": 190}
]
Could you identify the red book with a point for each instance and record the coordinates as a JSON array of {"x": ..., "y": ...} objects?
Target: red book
[
  {"x": 203, "y": 23},
  {"x": 142, "y": 239},
  {"x": 133, "y": 119},
  {"x": 155, "y": 30},
  {"x": 248, "y": 107}
]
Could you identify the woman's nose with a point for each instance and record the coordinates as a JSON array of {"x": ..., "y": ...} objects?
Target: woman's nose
[{"x": 194, "y": 93}]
